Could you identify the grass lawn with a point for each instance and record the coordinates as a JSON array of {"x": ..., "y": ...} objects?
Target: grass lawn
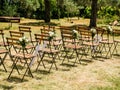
[{"x": 92, "y": 74}]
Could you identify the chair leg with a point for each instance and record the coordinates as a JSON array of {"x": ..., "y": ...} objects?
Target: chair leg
[
  {"x": 77, "y": 57},
  {"x": 27, "y": 70},
  {"x": 109, "y": 50},
  {"x": 41, "y": 61},
  {"x": 65, "y": 57},
  {"x": 2, "y": 61},
  {"x": 14, "y": 67},
  {"x": 115, "y": 48},
  {"x": 3, "y": 64},
  {"x": 53, "y": 62}
]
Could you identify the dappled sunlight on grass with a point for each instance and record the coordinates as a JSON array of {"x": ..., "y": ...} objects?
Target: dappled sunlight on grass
[{"x": 92, "y": 74}]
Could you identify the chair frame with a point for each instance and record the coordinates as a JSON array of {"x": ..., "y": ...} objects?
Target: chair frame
[
  {"x": 19, "y": 56},
  {"x": 70, "y": 43},
  {"x": 52, "y": 53}
]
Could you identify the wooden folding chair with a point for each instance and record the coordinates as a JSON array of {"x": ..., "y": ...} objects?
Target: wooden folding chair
[
  {"x": 28, "y": 33},
  {"x": 17, "y": 35},
  {"x": 88, "y": 41},
  {"x": 70, "y": 44},
  {"x": 116, "y": 40},
  {"x": 47, "y": 28},
  {"x": 83, "y": 31},
  {"x": 16, "y": 57},
  {"x": 2, "y": 42},
  {"x": 57, "y": 41},
  {"x": 106, "y": 44},
  {"x": 3, "y": 50},
  {"x": 3, "y": 55},
  {"x": 49, "y": 50}
]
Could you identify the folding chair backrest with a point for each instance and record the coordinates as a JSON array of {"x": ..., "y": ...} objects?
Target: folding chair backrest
[
  {"x": 65, "y": 31},
  {"x": 43, "y": 39},
  {"x": 16, "y": 34},
  {"x": 67, "y": 35},
  {"x": 85, "y": 33},
  {"x": 116, "y": 33},
  {"x": 38, "y": 38},
  {"x": 83, "y": 27},
  {"x": 52, "y": 28},
  {"x": 27, "y": 32},
  {"x": 2, "y": 36},
  {"x": 100, "y": 31},
  {"x": 47, "y": 29},
  {"x": 11, "y": 43}
]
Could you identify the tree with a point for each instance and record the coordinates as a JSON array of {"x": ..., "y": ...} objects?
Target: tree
[
  {"x": 93, "y": 13},
  {"x": 47, "y": 11},
  {"x": 70, "y": 7}
]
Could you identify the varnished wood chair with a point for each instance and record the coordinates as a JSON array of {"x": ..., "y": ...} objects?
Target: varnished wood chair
[
  {"x": 116, "y": 40},
  {"x": 71, "y": 45},
  {"x": 19, "y": 56},
  {"x": 3, "y": 50},
  {"x": 28, "y": 33},
  {"x": 49, "y": 50}
]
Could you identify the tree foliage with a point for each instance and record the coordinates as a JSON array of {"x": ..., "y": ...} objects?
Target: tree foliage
[
  {"x": 70, "y": 7},
  {"x": 59, "y": 8}
]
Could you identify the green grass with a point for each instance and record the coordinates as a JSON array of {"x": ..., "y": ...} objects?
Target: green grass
[
  {"x": 92, "y": 74},
  {"x": 115, "y": 85}
]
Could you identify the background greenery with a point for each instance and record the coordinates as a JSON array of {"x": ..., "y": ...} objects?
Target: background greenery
[{"x": 108, "y": 10}]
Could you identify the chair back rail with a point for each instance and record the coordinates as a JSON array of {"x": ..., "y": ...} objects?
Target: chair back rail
[
  {"x": 12, "y": 41},
  {"x": 26, "y": 30},
  {"x": 3, "y": 42},
  {"x": 16, "y": 34}
]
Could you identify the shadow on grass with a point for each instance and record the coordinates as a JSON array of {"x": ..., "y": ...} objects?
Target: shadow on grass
[
  {"x": 101, "y": 58},
  {"x": 48, "y": 60},
  {"x": 86, "y": 60},
  {"x": 68, "y": 65},
  {"x": 39, "y": 24},
  {"x": 65, "y": 69},
  {"x": 2, "y": 70},
  {"x": 20, "y": 67},
  {"x": 16, "y": 79},
  {"x": 5, "y": 87},
  {"x": 116, "y": 55},
  {"x": 44, "y": 72}
]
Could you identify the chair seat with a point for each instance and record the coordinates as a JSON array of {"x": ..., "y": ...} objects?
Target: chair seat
[
  {"x": 56, "y": 43},
  {"x": 3, "y": 51},
  {"x": 57, "y": 39},
  {"x": 85, "y": 39},
  {"x": 47, "y": 50},
  {"x": 30, "y": 46},
  {"x": 117, "y": 41},
  {"x": 71, "y": 41},
  {"x": 3, "y": 44},
  {"x": 107, "y": 42},
  {"x": 27, "y": 47},
  {"x": 90, "y": 44},
  {"x": 20, "y": 55},
  {"x": 72, "y": 46}
]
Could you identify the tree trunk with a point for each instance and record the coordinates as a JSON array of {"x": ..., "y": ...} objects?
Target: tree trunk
[
  {"x": 2, "y": 2},
  {"x": 93, "y": 14},
  {"x": 47, "y": 11}
]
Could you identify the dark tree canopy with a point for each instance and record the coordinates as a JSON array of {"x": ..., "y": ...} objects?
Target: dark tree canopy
[{"x": 108, "y": 10}]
